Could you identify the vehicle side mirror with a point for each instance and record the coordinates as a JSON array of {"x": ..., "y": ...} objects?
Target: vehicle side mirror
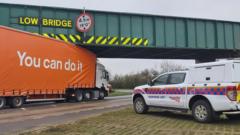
[{"x": 151, "y": 83}]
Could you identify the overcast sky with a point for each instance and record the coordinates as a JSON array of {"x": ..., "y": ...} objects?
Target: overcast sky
[{"x": 210, "y": 9}]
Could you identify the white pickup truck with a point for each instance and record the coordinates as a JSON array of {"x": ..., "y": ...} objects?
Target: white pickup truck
[{"x": 207, "y": 89}]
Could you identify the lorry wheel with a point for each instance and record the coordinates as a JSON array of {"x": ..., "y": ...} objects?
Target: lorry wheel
[
  {"x": 101, "y": 95},
  {"x": 2, "y": 102},
  {"x": 202, "y": 111},
  {"x": 87, "y": 95},
  {"x": 140, "y": 106},
  {"x": 79, "y": 95},
  {"x": 16, "y": 102}
]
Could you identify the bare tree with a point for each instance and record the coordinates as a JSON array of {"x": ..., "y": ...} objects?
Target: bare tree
[
  {"x": 129, "y": 81},
  {"x": 167, "y": 66}
]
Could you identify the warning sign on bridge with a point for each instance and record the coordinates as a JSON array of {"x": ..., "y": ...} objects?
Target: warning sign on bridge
[{"x": 84, "y": 22}]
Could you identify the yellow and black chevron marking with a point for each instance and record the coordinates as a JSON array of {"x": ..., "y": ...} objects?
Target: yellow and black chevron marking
[
  {"x": 145, "y": 42},
  {"x": 89, "y": 40},
  {"x": 113, "y": 40},
  {"x": 140, "y": 41},
  {"x": 99, "y": 40},
  {"x": 125, "y": 40},
  {"x": 134, "y": 41},
  {"x": 66, "y": 38}
]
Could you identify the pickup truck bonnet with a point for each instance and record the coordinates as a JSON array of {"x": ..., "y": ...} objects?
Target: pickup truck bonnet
[{"x": 142, "y": 87}]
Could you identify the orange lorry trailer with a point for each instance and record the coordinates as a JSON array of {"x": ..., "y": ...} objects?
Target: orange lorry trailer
[{"x": 35, "y": 68}]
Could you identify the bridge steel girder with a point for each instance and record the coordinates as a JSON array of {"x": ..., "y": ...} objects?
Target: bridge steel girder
[{"x": 155, "y": 36}]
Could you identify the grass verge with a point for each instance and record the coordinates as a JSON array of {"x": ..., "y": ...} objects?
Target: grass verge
[
  {"x": 119, "y": 93},
  {"x": 126, "y": 122}
]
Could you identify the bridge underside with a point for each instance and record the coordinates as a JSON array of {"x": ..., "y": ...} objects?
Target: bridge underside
[{"x": 161, "y": 53}]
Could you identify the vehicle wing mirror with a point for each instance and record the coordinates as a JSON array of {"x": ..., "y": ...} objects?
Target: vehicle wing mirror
[{"x": 151, "y": 83}]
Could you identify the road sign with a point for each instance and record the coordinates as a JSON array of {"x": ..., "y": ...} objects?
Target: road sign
[{"x": 84, "y": 22}]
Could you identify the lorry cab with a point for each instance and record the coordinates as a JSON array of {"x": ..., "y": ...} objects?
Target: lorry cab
[{"x": 102, "y": 78}]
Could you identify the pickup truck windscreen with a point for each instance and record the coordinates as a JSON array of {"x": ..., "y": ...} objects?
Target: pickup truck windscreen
[{"x": 161, "y": 80}]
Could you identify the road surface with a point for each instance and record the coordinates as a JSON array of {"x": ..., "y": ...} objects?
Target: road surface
[{"x": 40, "y": 115}]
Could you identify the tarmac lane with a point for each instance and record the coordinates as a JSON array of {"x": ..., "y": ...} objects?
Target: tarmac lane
[{"x": 40, "y": 115}]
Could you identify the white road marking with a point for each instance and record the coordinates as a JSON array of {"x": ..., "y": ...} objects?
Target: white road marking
[{"x": 23, "y": 109}]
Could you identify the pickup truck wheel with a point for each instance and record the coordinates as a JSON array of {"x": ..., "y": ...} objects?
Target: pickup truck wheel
[
  {"x": 16, "y": 102},
  {"x": 101, "y": 95},
  {"x": 202, "y": 111},
  {"x": 2, "y": 102},
  {"x": 140, "y": 106},
  {"x": 78, "y": 96}
]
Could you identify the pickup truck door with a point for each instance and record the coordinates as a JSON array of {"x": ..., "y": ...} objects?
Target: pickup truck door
[
  {"x": 176, "y": 90},
  {"x": 154, "y": 96},
  {"x": 171, "y": 91}
]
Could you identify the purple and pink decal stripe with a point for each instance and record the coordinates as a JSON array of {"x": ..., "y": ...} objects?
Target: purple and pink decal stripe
[
  {"x": 208, "y": 90},
  {"x": 190, "y": 90},
  {"x": 165, "y": 91}
]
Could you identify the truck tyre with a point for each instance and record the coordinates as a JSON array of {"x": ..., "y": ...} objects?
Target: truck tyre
[
  {"x": 140, "y": 106},
  {"x": 16, "y": 102},
  {"x": 78, "y": 96},
  {"x": 105, "y": 93},
  {"x": 101, "y": 95},
  {"x": 202, "y": 111},
  {"x": 87, "y": 95},
  {"x": 2, "y": 102}
]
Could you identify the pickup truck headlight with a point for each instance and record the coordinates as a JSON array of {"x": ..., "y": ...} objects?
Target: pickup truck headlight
[{"x": 232, "y": 93}]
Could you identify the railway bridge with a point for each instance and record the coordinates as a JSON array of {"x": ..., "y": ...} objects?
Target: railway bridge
[{"x": 122, "y": 35}]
